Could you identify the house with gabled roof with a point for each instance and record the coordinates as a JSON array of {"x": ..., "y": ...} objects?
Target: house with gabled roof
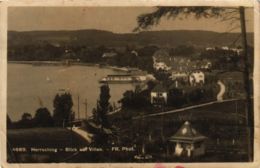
[
  {"x": 159, "y": 95},
  {"x": 197, "y": 78}
]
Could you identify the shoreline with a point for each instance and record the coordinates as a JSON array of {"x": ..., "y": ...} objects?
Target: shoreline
[{"x": 59, "y": 63}]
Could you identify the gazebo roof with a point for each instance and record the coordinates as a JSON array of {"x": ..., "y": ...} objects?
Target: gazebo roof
[{"x": 187, "y": 134}]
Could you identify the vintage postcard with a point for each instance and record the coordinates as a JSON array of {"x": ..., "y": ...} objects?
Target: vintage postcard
[{"x": 160, "y": 84}]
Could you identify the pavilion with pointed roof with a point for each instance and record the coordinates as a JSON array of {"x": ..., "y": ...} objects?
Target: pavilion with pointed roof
[{"x": 188, "y": 141}]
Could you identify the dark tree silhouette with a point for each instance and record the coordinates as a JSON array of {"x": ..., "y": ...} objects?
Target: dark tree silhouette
[
  {"x": 26, "y": 116},
  {"x": 43, "y": 118},
  {"x": 62, "y": 113},
  {"x": 100, "y": 116},
  {"x": 135, "y": 100},
  {"x": 26, "y": 121},
  {"x": 103, "y": 106},
  {"x": 230, "y": 14}
]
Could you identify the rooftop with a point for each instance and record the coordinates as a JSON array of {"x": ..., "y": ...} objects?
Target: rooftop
[
  {"x": 187, "y": 133},
  {"x": 159, "y": 88}
]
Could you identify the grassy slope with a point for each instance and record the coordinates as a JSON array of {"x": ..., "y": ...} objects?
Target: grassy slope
[
  {"x": 214, "y": 121},
  {"x": 217, "y": 121},
  {"x": 44, "y": 137}
]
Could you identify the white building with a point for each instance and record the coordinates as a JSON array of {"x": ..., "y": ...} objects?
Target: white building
[
  {"x": 159, "y": 95},
  {"x": 178, "y": 74},
  {"x": 197, "y": 77},
  {"x": 237, "y": 50},
  {"x": 109, "y": 55},
  {"x": 206, "y": 65},
  {"x": 210, "y": 48},
  {"x": 225, "y": 48},
  {"x": 161, "y": 66}
]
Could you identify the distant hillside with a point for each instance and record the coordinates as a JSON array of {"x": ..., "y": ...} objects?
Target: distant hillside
[{"x": 99, "y": 37}]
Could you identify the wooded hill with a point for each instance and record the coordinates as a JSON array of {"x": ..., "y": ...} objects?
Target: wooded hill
[{"x": 110, "y": 39}]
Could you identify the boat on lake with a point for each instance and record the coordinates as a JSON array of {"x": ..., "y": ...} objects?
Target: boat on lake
[
  {"x": 132, "y": 75},
  {"x": 120, "y": 78}
]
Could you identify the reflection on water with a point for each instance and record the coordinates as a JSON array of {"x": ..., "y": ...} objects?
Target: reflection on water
[{"x": 29, "y": 86}]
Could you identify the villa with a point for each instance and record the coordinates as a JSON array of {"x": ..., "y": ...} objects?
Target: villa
[
  {"x": 159, "y": 95},
  {"x": 196, "y": 78},
  {"x": 161, "y": 66}
]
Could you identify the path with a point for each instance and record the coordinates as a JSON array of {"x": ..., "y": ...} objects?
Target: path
[
  {"x": 84, "y": 134},
  {"x": 118, "y": 109},
  {"x": 221, "y": 91}
]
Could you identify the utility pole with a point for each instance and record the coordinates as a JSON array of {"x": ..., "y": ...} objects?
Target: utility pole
[
  {"x": 249, "y": 108},
  {"x": 237, "y": 112},
  {"x": 78, "y": 108},
  {"x": 86, "y": 108}
]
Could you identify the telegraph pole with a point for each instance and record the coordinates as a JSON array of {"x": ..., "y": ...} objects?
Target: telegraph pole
[
  {"x": 86, "y": 108},
  {"x": 249, "y": 108},
  {"x": 78, "y": 108}
]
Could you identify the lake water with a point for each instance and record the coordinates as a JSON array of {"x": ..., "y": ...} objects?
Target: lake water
[{"x": 29, "y": 85}]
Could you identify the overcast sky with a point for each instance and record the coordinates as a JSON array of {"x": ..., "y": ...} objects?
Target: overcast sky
[{"x": 115, "y": 19}]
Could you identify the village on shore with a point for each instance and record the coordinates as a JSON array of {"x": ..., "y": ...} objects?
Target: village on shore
[{"x": 171, "y": 85}]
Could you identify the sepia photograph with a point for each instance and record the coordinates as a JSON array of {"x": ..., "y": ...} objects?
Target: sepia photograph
[{"x": 130, "y": 84}]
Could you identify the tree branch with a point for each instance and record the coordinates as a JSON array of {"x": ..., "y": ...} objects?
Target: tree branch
[{"x": 145, "y": 21}]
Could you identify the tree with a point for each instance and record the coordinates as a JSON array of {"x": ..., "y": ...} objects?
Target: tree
[
  {"x": 230, "y": 14},
  {"x": 43, "y": 118},
  {"x": 162, "y": 75},
  {"x": 26, "y": 121},
  {"x": 136, "y": 100},
  {"x": 223, "y": 59},
  {"x": 147, "y": 51},
  {"x": 176, "y": 97},
  {"x": 100, "y": 116},
  {"x": 26, "y": 116},
  {"x": 62, "y": 113},
  {"x": 103, "y": 106},
  {"x": 182, "y": 50}
]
